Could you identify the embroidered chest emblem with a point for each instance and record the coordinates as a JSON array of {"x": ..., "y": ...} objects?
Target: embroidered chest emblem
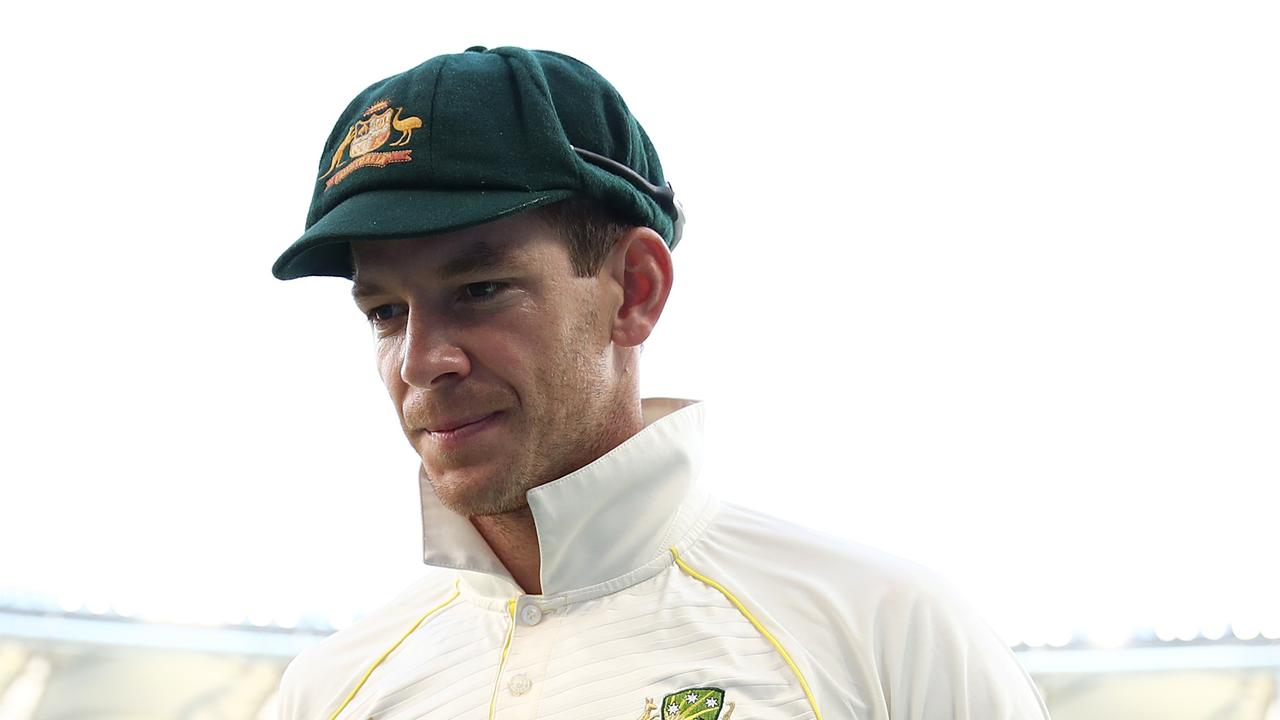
[
  {"x": 359, "y": 148},
  {"x": 689, "y": 704}
]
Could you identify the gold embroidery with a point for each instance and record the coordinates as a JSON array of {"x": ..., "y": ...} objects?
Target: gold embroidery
[
  {"x": 381, "y": 159},
  {"x": 371, "y": 132},
  {"x": 406, "y": 126},
  {"x": 342, "y": 148},
  {"x": 368, "y": 133}
]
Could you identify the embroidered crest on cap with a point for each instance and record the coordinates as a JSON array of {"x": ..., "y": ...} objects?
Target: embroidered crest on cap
[
  {"x": 689, "y": 704},
  {"x": 360, "y": 146}
]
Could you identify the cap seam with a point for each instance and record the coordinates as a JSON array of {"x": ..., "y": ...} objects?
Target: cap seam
[
  {"x": 431, "y": 105},
  {"x": 540, "y": 81}
]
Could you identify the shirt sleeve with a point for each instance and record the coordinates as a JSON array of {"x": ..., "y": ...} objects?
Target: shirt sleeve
[
  {"x": 940, "y": 661},
  {"x": 290, "y": 697}
]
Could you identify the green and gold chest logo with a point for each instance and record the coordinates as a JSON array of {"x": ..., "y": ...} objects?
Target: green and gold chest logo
[
  {"x": 690, "y": 704},
  {"x": 360, "y": 147}
]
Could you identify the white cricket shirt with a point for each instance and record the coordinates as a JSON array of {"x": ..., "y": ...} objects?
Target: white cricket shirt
[{"x": 660, "y": 603}]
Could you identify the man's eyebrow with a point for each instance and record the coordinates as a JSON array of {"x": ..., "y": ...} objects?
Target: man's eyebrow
[
  {"x": 363, "y": 290},
  {"x": 477, "y": 257}
]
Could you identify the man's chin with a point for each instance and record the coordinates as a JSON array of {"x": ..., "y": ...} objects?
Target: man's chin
[
  {"x": 471, "y": 494},
  {"x": 485, "y": 506}
]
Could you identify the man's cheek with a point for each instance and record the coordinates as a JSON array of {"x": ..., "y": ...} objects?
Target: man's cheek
[{"x": 389, "y": 362}]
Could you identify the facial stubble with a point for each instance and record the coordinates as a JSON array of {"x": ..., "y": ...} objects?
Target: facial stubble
[{"x": 576, "y": 417}]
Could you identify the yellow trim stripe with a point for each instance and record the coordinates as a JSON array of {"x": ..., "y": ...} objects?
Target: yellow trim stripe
[
  {"x": 390, "y": 650},
  {"x": 760, "y": 628},
  {"x": 506, "y": 648}
]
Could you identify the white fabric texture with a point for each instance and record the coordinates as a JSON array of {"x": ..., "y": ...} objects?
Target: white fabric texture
[{"x": 622, "y": 631}]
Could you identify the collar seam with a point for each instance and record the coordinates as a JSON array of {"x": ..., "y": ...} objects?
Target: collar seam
[
  {"x": 705, "y": 514},
  {"x": 661, "y": 561}
]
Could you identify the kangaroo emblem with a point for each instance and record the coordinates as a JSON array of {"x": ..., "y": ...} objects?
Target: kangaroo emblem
[{"x": 337, "y": 154}]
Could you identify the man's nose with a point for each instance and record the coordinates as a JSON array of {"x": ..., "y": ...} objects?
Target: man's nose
[{"x": 431, "y": 354}]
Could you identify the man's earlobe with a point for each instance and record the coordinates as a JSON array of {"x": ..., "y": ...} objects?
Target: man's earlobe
[{"x": 645, "y": 277}]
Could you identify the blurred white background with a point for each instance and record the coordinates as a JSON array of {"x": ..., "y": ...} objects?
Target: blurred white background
[{"x": 991, "y": 286}]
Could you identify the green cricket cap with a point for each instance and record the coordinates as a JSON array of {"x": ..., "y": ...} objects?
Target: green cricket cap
[{"x": 468, "y": 138}]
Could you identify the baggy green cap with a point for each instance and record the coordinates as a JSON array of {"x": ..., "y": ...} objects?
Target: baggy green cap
[{"x": 464, "y": 139}]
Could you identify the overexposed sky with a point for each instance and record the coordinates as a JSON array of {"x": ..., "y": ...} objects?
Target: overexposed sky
[{"x": 988, "y": 285}]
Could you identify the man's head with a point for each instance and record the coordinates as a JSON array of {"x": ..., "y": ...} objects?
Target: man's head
[{"x": 507, "y": 227}]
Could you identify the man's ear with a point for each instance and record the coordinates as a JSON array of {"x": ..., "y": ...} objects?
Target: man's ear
[{"x": 641, "y": 265}]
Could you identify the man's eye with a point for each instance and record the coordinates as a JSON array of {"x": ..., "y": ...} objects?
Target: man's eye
[
  {"x": 384, "y": 313},
  {"x": 482, "y": 290}
]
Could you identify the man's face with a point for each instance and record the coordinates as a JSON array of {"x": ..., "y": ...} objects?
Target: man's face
[{"x": 497, "y": 357}]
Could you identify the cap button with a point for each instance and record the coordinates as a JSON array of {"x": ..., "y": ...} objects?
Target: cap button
[{"x": 477, "y": 48}]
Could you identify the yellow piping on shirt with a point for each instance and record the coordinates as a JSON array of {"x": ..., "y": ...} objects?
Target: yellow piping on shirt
[
  {"x": 506, "y": 648},
  {"x": 390, "y": 650},
  {"x": 759, "y": 627}
]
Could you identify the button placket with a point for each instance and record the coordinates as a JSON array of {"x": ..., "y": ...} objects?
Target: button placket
[
  {"x": 534, "y": 635},
  {"x": 520, "y": 684}
]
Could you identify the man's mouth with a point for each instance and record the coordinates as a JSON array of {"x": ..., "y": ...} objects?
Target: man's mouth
[{"x": 459, "y": 428}]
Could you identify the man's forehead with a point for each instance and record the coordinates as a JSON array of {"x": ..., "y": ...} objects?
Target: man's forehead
[
  {"x": 428, "y": 255},
  {"x": 492, "y": 246}
]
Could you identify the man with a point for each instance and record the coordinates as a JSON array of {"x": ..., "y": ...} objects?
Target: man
[{"x": 506, "y": 225}]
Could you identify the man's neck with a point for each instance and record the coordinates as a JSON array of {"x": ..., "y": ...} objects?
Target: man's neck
[
  {"x": 514, "y": 539},
  {"x": 513, "y": 536}
]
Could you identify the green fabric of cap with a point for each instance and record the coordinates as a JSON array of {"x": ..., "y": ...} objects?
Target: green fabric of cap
[{"x": 468, "y": 138}]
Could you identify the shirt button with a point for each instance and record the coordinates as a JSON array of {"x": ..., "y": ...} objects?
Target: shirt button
[
  {"x": 530, "y": 615},
  {"x": 520, "y": 684}
]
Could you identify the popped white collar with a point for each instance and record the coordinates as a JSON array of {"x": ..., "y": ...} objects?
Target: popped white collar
[{"x": 601, "y": 528}]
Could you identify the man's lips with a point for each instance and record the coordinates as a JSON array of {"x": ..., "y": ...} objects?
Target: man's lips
[{"x": 452, "y": 428}]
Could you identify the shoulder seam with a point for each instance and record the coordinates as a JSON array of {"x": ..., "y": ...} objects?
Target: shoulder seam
[{"x": 804, "y": 684}]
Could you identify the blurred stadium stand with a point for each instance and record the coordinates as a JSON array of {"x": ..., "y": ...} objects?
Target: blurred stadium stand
[{"x": 57, "y": 664}]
